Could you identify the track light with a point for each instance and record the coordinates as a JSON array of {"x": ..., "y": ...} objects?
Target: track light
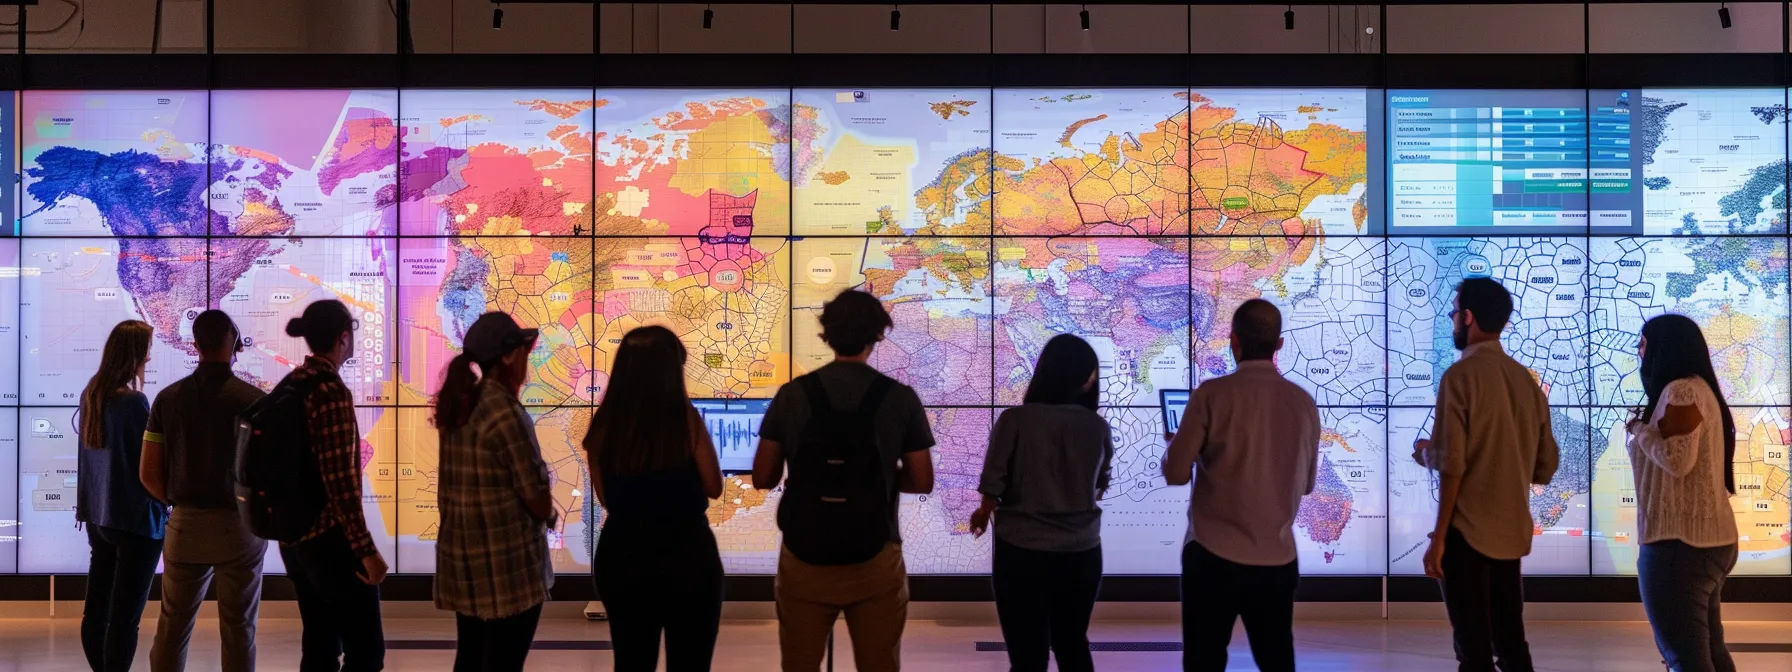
[
  {"x": 498, "y": 18},
  {"x": 1723, "y": 16},
  {"x": 1288, "y": 18},
  {"x": 1084, "y": 15},
  {"x": 895, "y": 18},
  {"x": 709, "y": 17}
]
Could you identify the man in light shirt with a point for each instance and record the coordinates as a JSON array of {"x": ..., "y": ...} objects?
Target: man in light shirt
[
  {"x": 1253, "y": 439},
  {"x": 1490, "y": 441}
]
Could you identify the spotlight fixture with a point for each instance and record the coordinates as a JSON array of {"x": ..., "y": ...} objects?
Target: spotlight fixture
[
  {"x": 498, "y": 18},
  {"x": 1723, "y": 16},
  {"x": 1288, "y": 18},
  {"x": 709, "y": 17},
  {"x": 1084, "y": 15},
  {"x": 895, "y": 17}
]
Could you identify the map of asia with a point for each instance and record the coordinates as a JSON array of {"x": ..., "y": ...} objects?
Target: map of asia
[{"x": 986, "y": 220}]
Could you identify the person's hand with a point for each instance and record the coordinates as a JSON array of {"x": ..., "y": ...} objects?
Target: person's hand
[
  {"x": 1434, "y": 559},
  {"x": 1169, "y": 437},
  {"x": 373, "y": 570},
  {"x": 1419, "y": 449},
  {"x": 980, "y": 521}
]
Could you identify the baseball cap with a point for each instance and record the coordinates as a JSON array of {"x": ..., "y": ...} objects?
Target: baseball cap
[{"x": 493, "y": 335}]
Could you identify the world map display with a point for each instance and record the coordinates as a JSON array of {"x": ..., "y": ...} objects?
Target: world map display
[{"x": 987, "y": 221}]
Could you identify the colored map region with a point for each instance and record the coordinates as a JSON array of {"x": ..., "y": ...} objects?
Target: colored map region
[
  {"x": 667, "y": 160},
  {"x": 1760, "y": 502},
  {"x": 938, "y": 293},
  {"x": 287, "y": 275},
  {"x": 1070, "y": 164},
  {"x": 1547, "y": 331},
  {"x": 512, "y": 162},
  {"x": 49, "y": 542},
  {"x": 1734, "y": 287},
  {"x": 1714, "y": 160},
  {"x": 1559, "y": 510},
  {"x": 727, "y": 298},
  {"x": 1129, "y": 297},
  {"x": 893, "y": 161},
  {"x": 317, "y": 163},
  {"x": 1332, "y": 292},
  {"x": 408, "y": 496}
]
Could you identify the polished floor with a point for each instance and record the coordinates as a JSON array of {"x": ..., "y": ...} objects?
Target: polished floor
[{"x": 53, "y": 645}]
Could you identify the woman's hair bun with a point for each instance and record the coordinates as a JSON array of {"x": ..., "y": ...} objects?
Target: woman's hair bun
[{"x": 295, "y": 327}]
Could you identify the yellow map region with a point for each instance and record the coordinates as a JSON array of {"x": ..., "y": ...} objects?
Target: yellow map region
[
  {"x": 857, "y": 179},
  {"x": 728, "y": 302},
  {"x": 1761, "y": 501},
  {"x": 410, "y": 498}
]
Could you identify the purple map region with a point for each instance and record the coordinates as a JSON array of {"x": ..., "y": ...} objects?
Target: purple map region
[
  {"x": 139, "y": 194},
  {"x": 1326, "y": 512}
]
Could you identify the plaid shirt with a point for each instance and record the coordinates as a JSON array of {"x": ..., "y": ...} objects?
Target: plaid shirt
[
  {"x": 336, "y": 439},
  {"x": 491, "y": 554}
]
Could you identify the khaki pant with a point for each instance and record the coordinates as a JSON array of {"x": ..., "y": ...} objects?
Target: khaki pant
[
  {"x": 203, "y": 545},
  {"x": 873, "y": 594}
]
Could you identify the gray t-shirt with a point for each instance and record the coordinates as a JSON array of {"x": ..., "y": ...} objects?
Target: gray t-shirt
[
  {"x": 901, "y": 420},
  {"x": 1048, "y": 464}
]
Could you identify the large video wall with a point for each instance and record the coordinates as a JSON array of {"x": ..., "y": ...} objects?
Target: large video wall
[{"x": 988, "y": 220}]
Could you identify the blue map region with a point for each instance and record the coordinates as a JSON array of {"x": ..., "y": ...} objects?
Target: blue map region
[{"x": 137, "y": 193}]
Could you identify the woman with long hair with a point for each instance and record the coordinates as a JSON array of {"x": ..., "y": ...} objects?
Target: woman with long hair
[
  {"x": 1047, "y": 466},
  {"x": 124, "y": 524},
  {"x": 654, "y": 470},
  {"x": 1682, "y": 448},
  {"x": 496, "y": 500}
]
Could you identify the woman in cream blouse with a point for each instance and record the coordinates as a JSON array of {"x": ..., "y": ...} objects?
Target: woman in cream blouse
[{"x": 1682, "y": 444}]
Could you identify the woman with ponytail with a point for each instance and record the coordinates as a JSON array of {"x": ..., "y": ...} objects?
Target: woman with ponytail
[
  {"x": 497, "y": 506},
  {"x": 654, "y": 470},
  {"x": 124, "y": 525},
  {"x": 335, "y": 568},
  {"x": 1682, "y": 448}
]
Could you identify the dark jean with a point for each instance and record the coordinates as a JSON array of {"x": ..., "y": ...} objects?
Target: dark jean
[
  {"x": 1044, "y": 600},
  {"x": 660, "y": 576},
  {"x": 119, "y": 573},
  {"x": 1682, "y": 590},
  {"x": 497, "y": 645},
  {"x": 340, "y": 615},
  {"x": 1485, "y": 600},
  {"x": 1217, "y": 592}
]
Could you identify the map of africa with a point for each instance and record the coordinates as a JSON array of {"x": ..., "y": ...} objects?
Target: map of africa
[{"x": 986, "y": 220}]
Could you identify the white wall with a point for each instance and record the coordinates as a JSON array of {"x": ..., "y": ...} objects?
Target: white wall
[{"x": 464, "y": 26}]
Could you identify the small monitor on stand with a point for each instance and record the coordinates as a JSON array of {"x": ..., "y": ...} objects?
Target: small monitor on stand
[
  {"x": 1174, "y": 402},
  {"x": 733, "y": 426}
]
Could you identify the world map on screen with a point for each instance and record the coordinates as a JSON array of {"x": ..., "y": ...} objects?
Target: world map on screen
[{"x": 986, "y": 220}]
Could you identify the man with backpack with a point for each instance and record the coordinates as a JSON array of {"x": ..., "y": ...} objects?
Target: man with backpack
[
  {"x": 852, "y": 439},
  {"x": 189, "y": 461},
  {"x": 299, "y": 483}
]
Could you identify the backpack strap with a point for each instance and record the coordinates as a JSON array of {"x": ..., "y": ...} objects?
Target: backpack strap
[
  {"x": 819, "y": 404},
  {"x": 874, "y": 396}
]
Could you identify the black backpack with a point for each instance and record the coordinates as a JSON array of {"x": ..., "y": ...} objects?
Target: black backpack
[
  {"x": 279, "y": 492},
  {"x": 837, "y": 503}
]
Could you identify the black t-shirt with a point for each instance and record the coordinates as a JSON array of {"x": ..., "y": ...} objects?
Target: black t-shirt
[
  {"x": 195, "y": 419},
  {"x": 901, "y": 421}
]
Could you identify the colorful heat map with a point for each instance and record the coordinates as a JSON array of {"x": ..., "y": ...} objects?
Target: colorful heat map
[{"x": 986, "y": 220}]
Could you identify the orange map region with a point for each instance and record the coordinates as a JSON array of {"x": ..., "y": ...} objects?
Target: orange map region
[
  {"x": 1256, "y": 179},
  {"x": 508, "y": 192},
  {"x": 1064, "y": 139},
  {"x": 1131, "y": 185},
  {"x": 948, "y": 109},
  {"x": 562, "y": 109},
  {"x": 835, "y": 178}
]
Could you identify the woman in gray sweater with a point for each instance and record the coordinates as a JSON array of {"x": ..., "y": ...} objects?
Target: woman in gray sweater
[{"x": 1048, "y": 464}]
